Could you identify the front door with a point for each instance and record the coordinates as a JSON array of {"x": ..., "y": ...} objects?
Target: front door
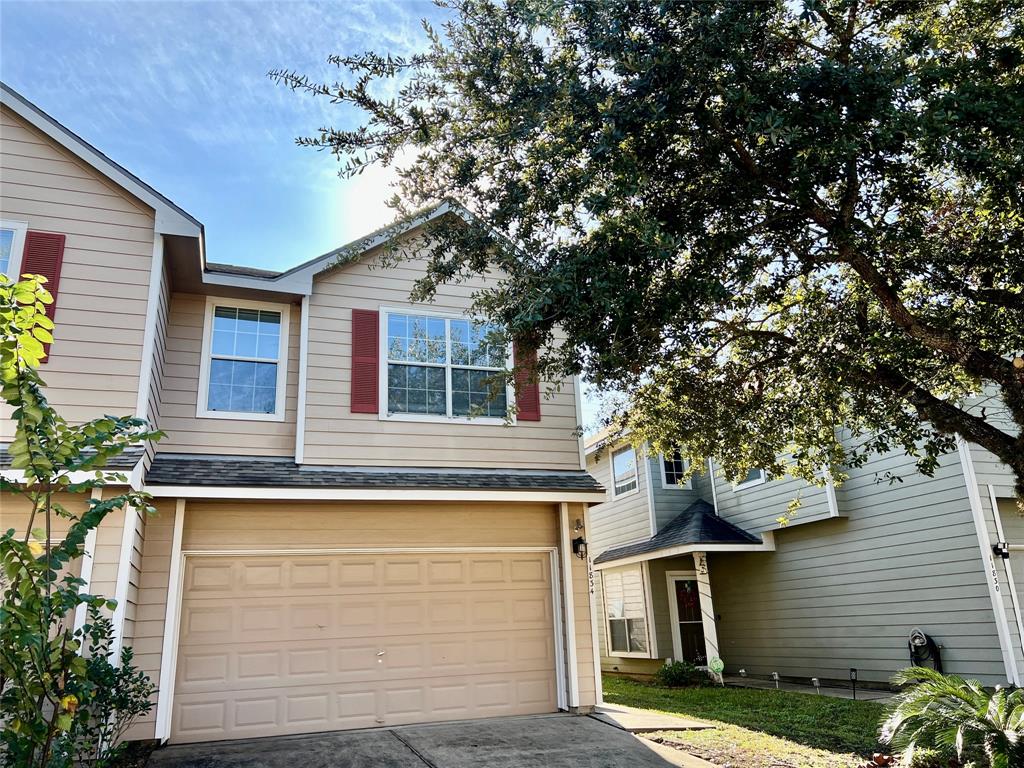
[{"x": 690, "y": 623}]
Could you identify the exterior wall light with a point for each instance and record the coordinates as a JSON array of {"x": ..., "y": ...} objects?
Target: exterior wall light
[
  {"x": 1001, "y": 549},
  {"x": 579, "y": 547}
]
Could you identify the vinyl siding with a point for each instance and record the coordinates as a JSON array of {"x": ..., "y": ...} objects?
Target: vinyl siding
[
  {"x": 582, "y": 618},
  {"x": 757, "y": 508},
  {"x": 180, "y": 388},
  {"x": 623, "y": 519},
  {"x": 669, "y": 502},
  {"x": 155, "y": 394},
  {"x": 989, "y": 469},
  {"x": 847, "y": 591},
  {"x": 335, "y": 435},
  {"x": 94, "y": 362}
]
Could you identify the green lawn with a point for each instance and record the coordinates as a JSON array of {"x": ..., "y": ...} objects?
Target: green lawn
[{"x": 807, "y": 723}]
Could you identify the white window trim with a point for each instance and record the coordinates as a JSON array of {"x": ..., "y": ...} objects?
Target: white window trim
[
  {"x": 606, "y": 621},
  {"x": 611, "y": 464},
  {"x": 202, "y": 397},
  {"x": 430, "y": 418},
  {"x": 665, "y": 484},
  {"x": 760, "y": 480},
  {"x": 20, "y": 228}
]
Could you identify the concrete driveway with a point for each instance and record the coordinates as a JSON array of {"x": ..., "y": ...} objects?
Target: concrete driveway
[{"x": 549, "y": 741}]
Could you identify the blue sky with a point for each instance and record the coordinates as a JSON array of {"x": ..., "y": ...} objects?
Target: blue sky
[{"x": 177, "y": 93}]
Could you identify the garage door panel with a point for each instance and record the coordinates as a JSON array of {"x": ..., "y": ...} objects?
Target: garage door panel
[
  {"x": 256, "y": 665},
  {"x": 296, "y": 644},
  {"x": 308, "y": 708}
]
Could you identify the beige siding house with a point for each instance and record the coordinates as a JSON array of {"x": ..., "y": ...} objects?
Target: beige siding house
[{"x": 349, "y": 533}]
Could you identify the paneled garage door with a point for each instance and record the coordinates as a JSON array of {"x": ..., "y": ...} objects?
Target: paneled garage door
[{"x": 302, "y": 643}]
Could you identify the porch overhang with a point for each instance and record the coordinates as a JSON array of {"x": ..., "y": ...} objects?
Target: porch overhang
[{"x": 696, "y": 529}]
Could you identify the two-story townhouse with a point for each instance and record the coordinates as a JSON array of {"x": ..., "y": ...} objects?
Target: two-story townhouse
[
  {"x": 703, "y": 568},
  {"x": 349, "y": 532}
]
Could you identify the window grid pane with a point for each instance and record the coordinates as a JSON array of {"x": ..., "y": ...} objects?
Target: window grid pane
[
  {"x": 455, "y": 351},
  {"x": 244, "y": 355},
  {"x": 675, "y": 467},
  {"x": 624, "y": 470},
  {"x": 6, "y": 247},
  {"x": 246, "y": 333},
  {"x": 242, "y": 386}
]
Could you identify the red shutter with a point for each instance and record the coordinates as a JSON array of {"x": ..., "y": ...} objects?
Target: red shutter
[
  {"x": 527, "y": 386},
  {"x": 44, "y": 255},
  {"x": 365, "y": 335}
]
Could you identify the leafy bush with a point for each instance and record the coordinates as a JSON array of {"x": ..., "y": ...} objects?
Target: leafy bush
[
  {"x": 680, "y": 674},
  {"x": 62, "y": 698},
  {"x": 954, "y": 716}
]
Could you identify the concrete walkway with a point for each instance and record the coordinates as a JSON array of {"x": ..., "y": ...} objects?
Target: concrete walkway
[
  {"x": 550, "y": 741},
  {"x": 644, "y": 720},
  {"x": 863, "y": 694}
]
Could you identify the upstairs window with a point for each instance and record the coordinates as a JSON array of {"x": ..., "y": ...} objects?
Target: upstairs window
[
  {"x": 244, "y": 361},
  {"x": 12, "y": 243},
  {"x": 673, "y": 471},
  {"x": 443, "y": 368},
  {"x": 752, "y": 478},
  {"x": 624, "y": 471}
]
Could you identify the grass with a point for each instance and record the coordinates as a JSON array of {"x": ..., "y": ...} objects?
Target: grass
[
  {"x": 756, "y": 720},
  {"x": 730, "y": 745}
]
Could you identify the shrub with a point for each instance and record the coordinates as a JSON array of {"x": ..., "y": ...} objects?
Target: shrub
[
  {"x": 680, "y": 674},
  {"x": 955, "y": 716}
]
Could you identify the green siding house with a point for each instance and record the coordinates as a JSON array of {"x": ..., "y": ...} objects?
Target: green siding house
[{"x": 702, "y": 568}]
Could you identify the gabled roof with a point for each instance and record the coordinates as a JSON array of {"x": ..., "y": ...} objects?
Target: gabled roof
[
  {"x": 299, "y": 279},
  {"x": 697, "y": 524},
  {"x": 170, "y": 218}
]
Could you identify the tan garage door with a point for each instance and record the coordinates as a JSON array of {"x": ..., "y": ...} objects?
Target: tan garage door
[{"x": 302, "y": 643}]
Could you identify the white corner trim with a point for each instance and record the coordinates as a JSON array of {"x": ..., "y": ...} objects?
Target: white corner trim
[
  {"x": 570, "y": 607},
  {"x": 652, "y": 510},
  {"x": 652, "y": 635},
  {"x": 561, "y": 683},
  {"x": 88, "y": 555},
  {"x": 707, "y": 610},
  {"x": 830, "y": 495},
  {"x": 156, "y": 273},
  {"x": 714, "y": 491},
  {"x": 365, "y": 494},
  {"x": 124, "y": 567},
  {"x": 17, "y": 245},
  {"x": 577, "y": 389},
  {"x": 594, "y": 617},
  {"x": 300, "y": 414},
  {"x": 212, "y": 302},
  {"x": 172, "y": 614},
  {"x": 1011, "y": 581},
  {"x": 988, "y": 563}
]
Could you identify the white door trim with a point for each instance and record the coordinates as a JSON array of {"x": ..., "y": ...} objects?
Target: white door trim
[
  {"x": 169, "y": 658},
  {"x": 671, "y": 577},
  {"x": 1010, "y": 581},
  {"x": 570, "y": 607}
]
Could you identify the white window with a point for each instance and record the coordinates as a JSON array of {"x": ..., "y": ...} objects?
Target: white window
[
  {"x": 245, "y": 360},
  {"x": 624, "y": 471},
  {"x": 673, "y": 471},
  {"x": 753, "y": 477},
  {"x": 12, "y": 244},
  {"x": 626, "y": 611},
  {"x": 441, "y": 368}
]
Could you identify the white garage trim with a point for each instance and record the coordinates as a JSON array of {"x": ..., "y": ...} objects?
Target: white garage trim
[
  {"x": 366, "y": 494},
  {"x": 175, "y": 595},
  {"x": 570, "y": 606}
]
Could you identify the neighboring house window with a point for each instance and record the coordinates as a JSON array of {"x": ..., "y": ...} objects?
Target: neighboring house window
[
  {"x": 625, "y": 609},
  {"x": 244, "y": 360},
  {"x": 12, "y": 244},
  {"x": 443, "y": 367},
  {"x": 673, "y": 471},
  {"x": 624, "y": 475},
  {"x": 753, "y": 477}
]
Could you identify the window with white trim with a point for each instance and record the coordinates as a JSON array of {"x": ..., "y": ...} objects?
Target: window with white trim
[
  {"x": 673, "y": 471},
  {"x": 244, "y": 360},
  {"x": 626, "y": 611},
  {"x": 624, "y": 471},
  {"x": 753, "y": 477},
  {"x": 443, "y": 367},
  {"x": 12, "y": 244}
]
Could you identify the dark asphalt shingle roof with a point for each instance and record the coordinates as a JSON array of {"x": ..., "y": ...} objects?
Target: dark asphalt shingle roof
[
  {"x": 697, "y": 524},
  {"x": 125, "y": 460},
  {"x": 205, "y": 470}
]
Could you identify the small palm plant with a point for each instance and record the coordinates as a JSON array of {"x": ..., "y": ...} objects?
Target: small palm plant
[{"x": 952, "y": 714}]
